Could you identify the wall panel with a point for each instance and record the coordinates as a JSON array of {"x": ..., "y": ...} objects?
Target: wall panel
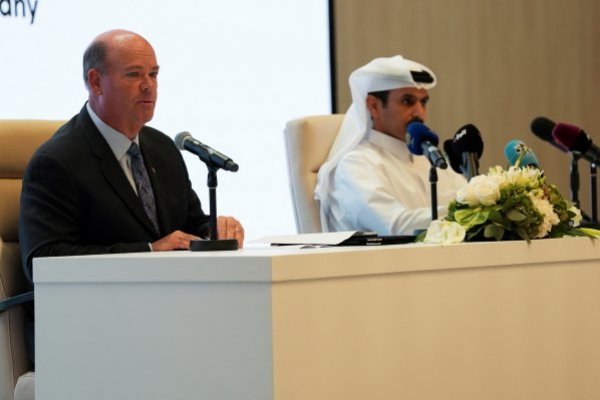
[{"x": 499, "y": 65}]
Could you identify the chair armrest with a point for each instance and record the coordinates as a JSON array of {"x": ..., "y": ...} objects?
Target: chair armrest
[{"x": 15, "y": 301}]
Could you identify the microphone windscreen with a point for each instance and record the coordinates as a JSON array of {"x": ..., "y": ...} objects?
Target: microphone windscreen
[
  {"x": 454, "y": 158},
  {"x": 515, "y": 148},
  {"x": 418, "y": 133},
  {"x": 468, "y": 140},
  {"x": 571, "y": 137},
  {"x": 542, "y": 128},
  {"x": 180, "y": 138}
]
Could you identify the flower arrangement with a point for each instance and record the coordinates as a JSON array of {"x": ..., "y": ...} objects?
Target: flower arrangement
[{"x": 508, "y": 204}]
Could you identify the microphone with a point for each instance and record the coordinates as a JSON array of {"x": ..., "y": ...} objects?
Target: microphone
[
  {"x": 576, "y": 141},
  {"x": 453, "y": 158},
  {"x": 185, "y": 141},
  {"x": 542, "y": 127},
  {"x": 465, "y": 148},
  {"x": 519, "y": 154},
  {"x": 423, "y": 141}
]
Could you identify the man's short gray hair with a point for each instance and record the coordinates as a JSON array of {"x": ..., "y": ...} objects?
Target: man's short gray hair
[{"x": 94, "y": 57}]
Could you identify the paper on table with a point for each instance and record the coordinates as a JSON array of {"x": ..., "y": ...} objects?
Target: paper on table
[{"x": 328, "y": 238}]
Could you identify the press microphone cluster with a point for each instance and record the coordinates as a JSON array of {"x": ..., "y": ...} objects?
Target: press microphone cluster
[
  {"x": 423, "y": 141},
  {"x": 210, "y": 156},
  {"x": 464, "y": 151}
]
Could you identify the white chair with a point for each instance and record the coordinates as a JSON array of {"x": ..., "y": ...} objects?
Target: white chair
[
  {"x": 307, "y": 144},
  {"x": 18, "y": 141}
]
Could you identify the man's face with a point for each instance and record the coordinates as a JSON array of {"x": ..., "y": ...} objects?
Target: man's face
[
  {"x": 403, "y": 106},
  {"x": 125, "y": 95}
]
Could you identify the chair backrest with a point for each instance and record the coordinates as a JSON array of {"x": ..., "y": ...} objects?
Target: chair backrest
[
  {"x": 18, "y": 140},
  {"x": 307, "y": 144}
]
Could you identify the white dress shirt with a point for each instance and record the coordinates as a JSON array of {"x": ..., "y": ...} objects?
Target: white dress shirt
[
  {"x": 379, "y": 186},
  {"x": 118, "y": 143}
]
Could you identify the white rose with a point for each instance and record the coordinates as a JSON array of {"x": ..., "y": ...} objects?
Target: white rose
[
  {"x": 544, "y": 207},
  {"x": 481, "y": 189},
  {"x": 445, "y": 232},
  {"x": 465, "y": 195}
]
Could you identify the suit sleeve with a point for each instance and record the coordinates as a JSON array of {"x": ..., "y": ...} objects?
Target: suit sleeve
[{"x": 49, "y": 215}]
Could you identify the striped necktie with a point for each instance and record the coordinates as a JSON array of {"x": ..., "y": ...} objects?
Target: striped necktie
[{"x": 142, "y": 182}]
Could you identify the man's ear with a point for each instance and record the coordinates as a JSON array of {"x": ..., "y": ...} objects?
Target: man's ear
[
  {"x": 374, "y": 106},
  {"x": 94, "y": 81}
]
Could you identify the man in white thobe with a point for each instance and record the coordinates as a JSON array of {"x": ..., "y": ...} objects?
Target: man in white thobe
[{"x": 371, "y": 181}]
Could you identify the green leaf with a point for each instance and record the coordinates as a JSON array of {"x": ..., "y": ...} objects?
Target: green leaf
[
  {"x": 495, "y": 215},
  {"x": 523, "y": 235},
  {"x": 474, "y": 232},
  {"x": 489, "y": 231},
  {"x": 493, "y": 231},
  {"x": 421, "y": 236},
  {"x": 515, "y": 215},
  {"x": 593, "y": 233},
  {"x": 470, "y": 218}
]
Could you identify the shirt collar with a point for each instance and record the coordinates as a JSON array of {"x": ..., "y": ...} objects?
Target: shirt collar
[{"x": 117, "y": 141}]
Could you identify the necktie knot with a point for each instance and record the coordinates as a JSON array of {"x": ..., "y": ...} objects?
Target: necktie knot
[{"x": 134, "y": 150}]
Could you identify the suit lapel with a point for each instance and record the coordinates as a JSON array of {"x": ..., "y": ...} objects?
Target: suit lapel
[{"x": 112, "y": 171}]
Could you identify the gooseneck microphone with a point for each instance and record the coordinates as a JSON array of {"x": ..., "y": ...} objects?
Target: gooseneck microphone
[
  {"x": 464, "y": 151},
  {"x": 519, "y": 154},
  {"x": 423, "y": 141},
  {"x": 210, "y": 156},
  {"x": 213, "y": 160}
]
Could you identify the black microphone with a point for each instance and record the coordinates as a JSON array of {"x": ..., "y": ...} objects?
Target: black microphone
[
  {"x": 185, "y": 141},
  {"x": 422, "y": 141},
  {"x": 453, "y": 158},
  {"x": 467, "y": 146},
  {"x": 542, "y": 127},
  {"x": 576, "y": 141}
]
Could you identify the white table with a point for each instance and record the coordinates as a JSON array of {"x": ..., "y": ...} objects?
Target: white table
[{"x": 505, "y": 320}]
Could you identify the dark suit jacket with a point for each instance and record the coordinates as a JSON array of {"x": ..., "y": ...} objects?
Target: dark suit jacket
[{"x": 76, "y": 198}]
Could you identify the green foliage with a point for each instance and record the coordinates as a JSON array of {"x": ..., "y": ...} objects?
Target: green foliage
[{"x": 526, "y": 208}]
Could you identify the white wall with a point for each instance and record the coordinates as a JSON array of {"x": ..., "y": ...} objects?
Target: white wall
[{"x": 232, "y": 73}]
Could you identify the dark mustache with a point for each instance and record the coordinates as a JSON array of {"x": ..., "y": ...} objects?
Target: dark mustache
[{"x": 416, "y": 119}]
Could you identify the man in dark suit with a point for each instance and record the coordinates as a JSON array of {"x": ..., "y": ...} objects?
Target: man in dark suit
[{"x": 106, "y": 183}]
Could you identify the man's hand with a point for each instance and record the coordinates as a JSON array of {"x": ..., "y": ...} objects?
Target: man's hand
[
  {"x": 176, "y": 240},
  {"x": 230, "y": 228}
]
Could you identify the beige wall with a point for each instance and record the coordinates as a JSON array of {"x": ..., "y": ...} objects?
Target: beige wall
[{"x": 499, "y": 63}]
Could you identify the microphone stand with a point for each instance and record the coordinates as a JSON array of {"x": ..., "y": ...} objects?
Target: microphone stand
[
  {"x": 213, "y": 244},
  {"x": 594, "y": 191},
  {"x": 433, "y": 178},
  {"x": 470, "y": 165},
  {"x": 574, "y": 180}
]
